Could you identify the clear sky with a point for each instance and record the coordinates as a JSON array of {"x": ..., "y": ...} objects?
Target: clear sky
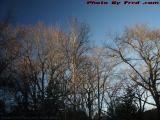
[{"x": 101, "y": 18}]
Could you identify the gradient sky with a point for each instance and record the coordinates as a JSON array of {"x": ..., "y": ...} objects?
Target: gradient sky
[{"x": 101, "y": 18}]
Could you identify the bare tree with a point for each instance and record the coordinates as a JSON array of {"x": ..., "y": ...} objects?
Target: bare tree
[
  {"x": 143, "y": 44},
  {"x": 76, "y": 49}
]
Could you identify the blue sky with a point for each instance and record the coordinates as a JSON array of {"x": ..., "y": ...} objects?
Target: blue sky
[{"x": 101, "y": 18}]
